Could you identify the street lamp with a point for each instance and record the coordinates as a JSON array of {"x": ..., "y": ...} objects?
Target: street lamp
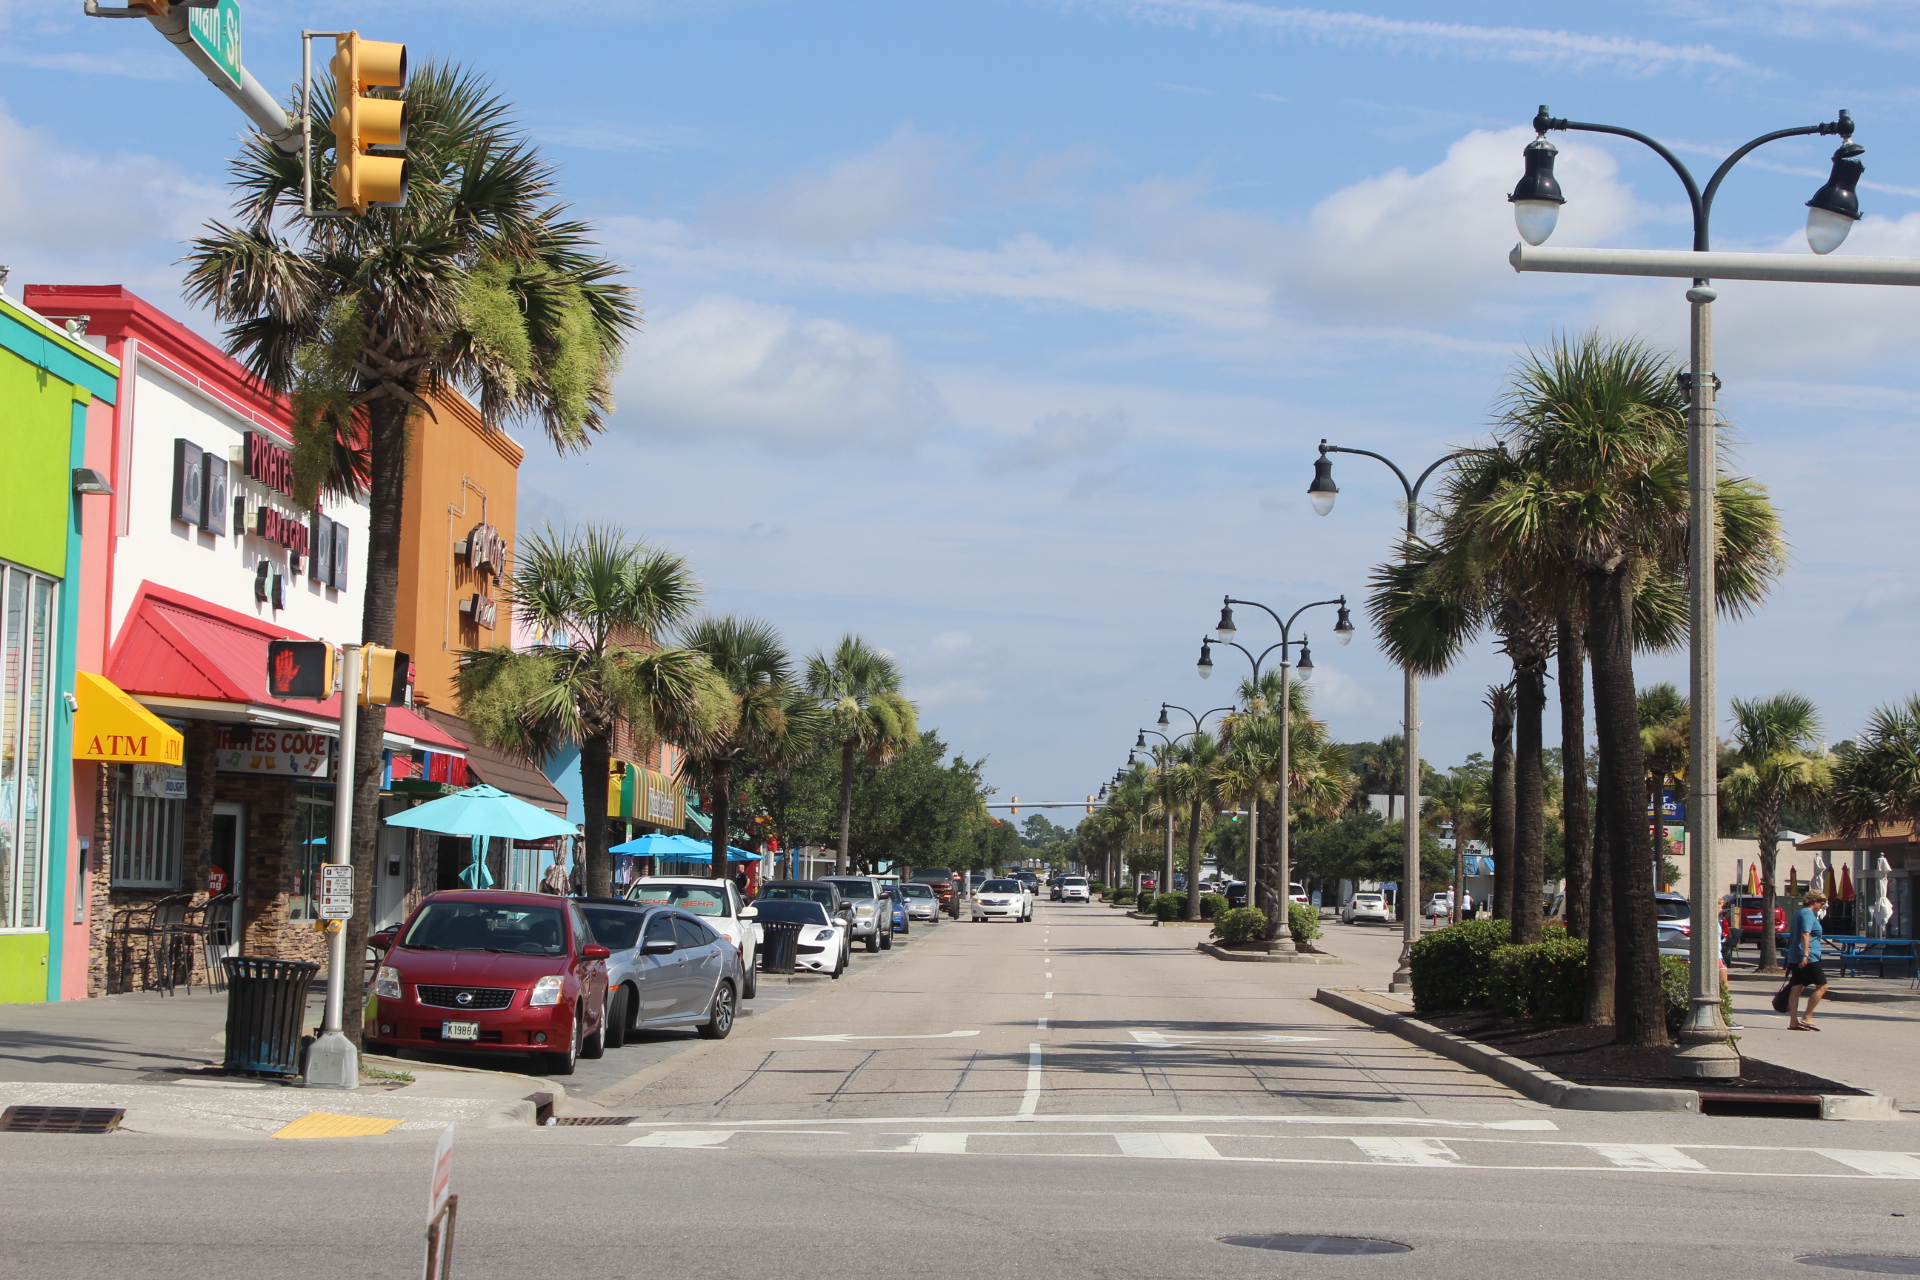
[
  {"x": 1321, "y": 491},
  {"x": 1708, "y": 1051},
  {"x": 1279, "y": 931},
  {"x": 1166, "y": 797}
]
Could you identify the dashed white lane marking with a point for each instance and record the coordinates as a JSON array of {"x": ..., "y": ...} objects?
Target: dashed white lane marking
[
  {"x": 1650, "y": 1156},
  {"x": 1428, "y": 1151},
  {"x": 685, "y": 1138},
  {"x": 1030, "y": 1100},
  {"x": 1042, "y": 1024},
  {"x": 1878, "y": 1164},
  {"x": 1048, "y": 996},
  {"x": 1167, "y": 1146}
]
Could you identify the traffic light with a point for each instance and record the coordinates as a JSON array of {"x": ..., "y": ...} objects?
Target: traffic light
[
  {"x": 1089, "y": 804},
  {"x": 1015, "y": 807},
  {"x": 386, "y": 676},
  {"x": 362, "y": 179},
  {"x": 300, "y": 669}
]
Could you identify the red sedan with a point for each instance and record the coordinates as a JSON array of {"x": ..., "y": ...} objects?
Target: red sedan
[{"x": 485, "y": 971}]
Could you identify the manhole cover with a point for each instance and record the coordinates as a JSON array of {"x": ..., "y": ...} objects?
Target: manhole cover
[
  {"x": 60, "y": 1119},
  {"x": 594, "y": 1119},
  {"x": 1319, "y": 1244},
  {"x": 1880, "y": 1266}
]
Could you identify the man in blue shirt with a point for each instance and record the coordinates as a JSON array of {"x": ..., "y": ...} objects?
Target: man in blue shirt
[{"x": 1803, "y": 960}]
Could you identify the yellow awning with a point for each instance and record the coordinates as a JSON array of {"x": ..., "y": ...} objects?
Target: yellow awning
[{"x": 112, "y": 726}]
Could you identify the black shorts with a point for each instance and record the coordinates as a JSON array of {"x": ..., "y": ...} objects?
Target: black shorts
[{"x": 1807, "y": 975}]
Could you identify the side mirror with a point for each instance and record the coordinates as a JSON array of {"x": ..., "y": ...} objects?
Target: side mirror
[
  {"x": 659, "y": 947},
  {"x": 594, "y": 951},
  {"x": 750, "y": 913},
  {"x": 381, "y": 940}
]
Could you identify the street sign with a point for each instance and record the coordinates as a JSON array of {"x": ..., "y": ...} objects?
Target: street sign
[
  {"x": 336, "y": 891},
  {"x": 217, "y": 31}
]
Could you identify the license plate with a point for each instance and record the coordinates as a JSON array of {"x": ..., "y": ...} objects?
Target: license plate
[{"x": 459, "y": 1031}]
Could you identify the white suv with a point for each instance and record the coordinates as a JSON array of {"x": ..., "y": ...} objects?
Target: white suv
[
  {"x": 1002, "y": 900},
  {"x": 717, "y": 903},
  {"x": 1074, "y": 889}
]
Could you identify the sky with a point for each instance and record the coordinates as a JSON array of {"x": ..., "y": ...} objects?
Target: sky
[{"x": 1002, "y": 332}]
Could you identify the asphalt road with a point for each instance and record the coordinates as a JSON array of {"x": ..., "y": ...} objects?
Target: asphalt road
[{"x": 1079, "y": 1096}]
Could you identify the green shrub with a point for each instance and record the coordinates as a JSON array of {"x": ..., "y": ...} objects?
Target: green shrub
[
  {"x": 1674, "y": 973},
  {"x": 1545, "y": 980},
  {"x": 1211, "y": 905},
  {"x": 1240, "y": 924},
  {"x": 1170, "y": 906},
  {"x": 1122, "y": 895},
  {"x": 1095, "y": 888},
  {"x": 1145, "y": 904},
  {"x": 1450, "y": 965},
  {"x": 1303, "y": 922}
]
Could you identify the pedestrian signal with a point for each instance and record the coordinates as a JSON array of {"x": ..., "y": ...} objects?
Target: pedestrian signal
[
  {"x": 364, "y": 126},
  {"x": 300, "y": 669}
]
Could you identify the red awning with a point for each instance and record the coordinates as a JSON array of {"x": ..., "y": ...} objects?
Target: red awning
[{"x": 174, "y": 645}]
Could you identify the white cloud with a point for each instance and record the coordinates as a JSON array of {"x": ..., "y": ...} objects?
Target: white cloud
[
  {"x": 894, "y": 186},
  {"x": 1057, "y": 438},
  {"x": 728, "y": 367}
]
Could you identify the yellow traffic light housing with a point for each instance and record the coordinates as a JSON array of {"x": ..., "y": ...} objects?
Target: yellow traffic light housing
[
  {"x": 362, "y": 178},
  {"x": 385, "y": 676}
]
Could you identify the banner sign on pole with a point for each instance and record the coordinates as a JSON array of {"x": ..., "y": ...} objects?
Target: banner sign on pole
[{"x": 336, "y": 891}]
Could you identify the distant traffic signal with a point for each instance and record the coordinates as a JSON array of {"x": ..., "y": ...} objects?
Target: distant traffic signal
[
  {"x": 363, "y": 179},
  {"x": 300, "y": 669}
]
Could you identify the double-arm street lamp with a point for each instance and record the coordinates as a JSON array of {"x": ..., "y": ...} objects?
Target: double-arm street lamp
[
  {"x": 1322, "y": 493},
  {"x": 1279, "y": 931},
  {"x": 1166, "y": 798},
  {"x": 1707, "y": 1050}
]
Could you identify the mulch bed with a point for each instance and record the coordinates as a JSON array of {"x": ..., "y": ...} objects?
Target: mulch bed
[{"x": 1587, "y": 1055}]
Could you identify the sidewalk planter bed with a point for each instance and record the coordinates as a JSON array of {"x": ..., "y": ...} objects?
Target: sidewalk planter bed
[
  {"x": 1240, "y": 925},
  {"x": 1303, "y": 922}
]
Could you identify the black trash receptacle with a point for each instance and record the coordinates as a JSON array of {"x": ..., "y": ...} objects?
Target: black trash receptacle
[
  {"x": 781, "y": 946},
  {"x": 266, "y": 1006}
]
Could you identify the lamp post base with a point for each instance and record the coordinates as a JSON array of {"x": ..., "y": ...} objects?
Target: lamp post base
[
  {"x": 1284, "y": 944},
  {"x": 333, "y": 1063},
  {"x": 1706, "y": 1046}
]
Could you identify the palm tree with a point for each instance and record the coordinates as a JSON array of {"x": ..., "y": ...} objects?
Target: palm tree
[
  {"x": 596, "y": 599},
  {"x": 1876, "y": 780},
  {"x": 1777, "y": 744},
  {"x": 1196, "y": 782},
  {"x": 750, "y": 660},
  {"x": 1458, "y": 801},
  {"x": 480, "y": 281},
  {"x": 1592, "y": 488},
  {"x": 859, "y": 687},
  {"x": 1500, "y": 802},
  {"x": 1665, "y": 726},
  {"x": 1576, "y": 813}
]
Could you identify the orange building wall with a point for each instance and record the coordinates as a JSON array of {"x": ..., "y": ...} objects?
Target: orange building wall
[{"x": 460, "y": 472}]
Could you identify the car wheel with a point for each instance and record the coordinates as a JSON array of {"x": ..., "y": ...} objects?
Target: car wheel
[
  {"x": 615, "y": 1030},
  {"x": 750, "y": 984},
  {"x": 562, "y": 1064},
  {"x": 841, "y": 967},
  {"x": 873, "y": 940},
  {"x": 595, "y": 1045},
  {"x": 720, "y": 1015},
  {"x": 886, "y": 940}
]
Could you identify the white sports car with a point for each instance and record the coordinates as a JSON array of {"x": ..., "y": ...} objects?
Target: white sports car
[
  {"x": 823, "y": 945},
  {"x": 1002, "y": 900}
]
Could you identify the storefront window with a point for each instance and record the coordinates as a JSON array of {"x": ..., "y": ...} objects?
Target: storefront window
[
  {"x": 26, "y": 684},
  {"x": 311, "y": 841},
  {"x": 149, "y": 827}
]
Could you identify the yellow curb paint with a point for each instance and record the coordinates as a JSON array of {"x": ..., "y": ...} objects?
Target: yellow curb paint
[{"x": 323, "y": 1124}]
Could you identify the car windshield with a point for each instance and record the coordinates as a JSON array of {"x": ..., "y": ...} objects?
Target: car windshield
[
  {"x": 1078, "y": 880},
  {"x": 798, "y": 893},
  {"x": 615, "y": 928},
  {"x": 1671, "y": 908},
  {"x": 695, "y": 899},
  {"x": 917, "y": 890},
  {"x": 1001, "y": 886},
  {"x": 487, "y": 926},
  {"x": 853, "y": 888},
  {"x": 789, "y": 911}
]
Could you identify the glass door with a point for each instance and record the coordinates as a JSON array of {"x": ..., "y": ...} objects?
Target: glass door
[{"x": 226, "y": 865}]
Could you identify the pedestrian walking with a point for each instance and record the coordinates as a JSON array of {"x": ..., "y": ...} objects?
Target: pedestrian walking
[
  {"x": 1804, "y": 973},
  {"x": 1466, "y": 905},
  {"x": 1729, "y": 927}
]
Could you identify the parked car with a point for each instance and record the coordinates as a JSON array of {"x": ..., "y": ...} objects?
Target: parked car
[
  {"x": 488, "y": 971},
  {"x": 824, "y": 946},
  {"x": 1074, "y": 889},
  {"x": 818, "y": 891},
  {"x": 1001, "y": 900},
  {"x": 1235, "y": 893},
  {"x": 902, "y": 922},
  {"x": 923, "y": 901},
  {"x": 1751, "y": 909},
  {"x": 871, "y": 919},
  {"x": 1366, "y": 906},
  {"x": 1438, "y": 907},
  {"x": 650, "y": 985},
  {"x": 717, "y": 902},
  {"x": 940, "y": 881}
]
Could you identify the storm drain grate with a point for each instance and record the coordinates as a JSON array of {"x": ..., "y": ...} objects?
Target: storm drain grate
[
  {"x": 60, "y": 1119},
  {"x": 595, "y": 1119},
  {"x": 1882, "y": 1266},
  {"x": 1318, "y": 1244}
]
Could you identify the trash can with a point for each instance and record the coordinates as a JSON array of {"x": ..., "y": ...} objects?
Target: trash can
[
  {"x": 782, "y": 945},
  {"x": 266, "y": 1005}
]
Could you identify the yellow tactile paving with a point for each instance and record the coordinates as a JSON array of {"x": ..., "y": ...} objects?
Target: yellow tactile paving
[{"x": 324, "y": 1124}]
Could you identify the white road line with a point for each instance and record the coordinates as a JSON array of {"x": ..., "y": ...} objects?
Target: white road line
[
  {"x": 1042, "y": 1024},
  {"x": 1167, "y": 1146},
  {"x": 1880, "y": 1164},
  {"x": 1426, "y": 1122},
  {"x": 1048, "y": 996},
  {"x": 1030, "y": 1101},
  {"x": 685, "y": 1138},
  {"x": 1648, "y": 1156},
  {"x": 1427, "y": 1151},
  {"x": 944, "y": 1144}
]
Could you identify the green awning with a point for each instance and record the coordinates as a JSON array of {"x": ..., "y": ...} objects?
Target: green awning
[{"x": 699, "y": 819}]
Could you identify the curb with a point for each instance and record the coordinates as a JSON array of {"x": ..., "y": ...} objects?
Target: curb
[
  {"x": 1544, "y": 1086},
  {"x": 1267, "y": 957},
  {"x": 1183, "y": 924}
]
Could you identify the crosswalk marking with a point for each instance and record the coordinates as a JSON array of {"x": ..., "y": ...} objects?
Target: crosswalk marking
[
  {"x": 685, "y": 1138},
  {"x": 1427, "y": 1151},
  {"x": 1645, "y": 1155},
  {"x": 1167, "y": 1146},
  {"x": 946, "y": 1144},
  {"x": 1879, "y": 1164}
]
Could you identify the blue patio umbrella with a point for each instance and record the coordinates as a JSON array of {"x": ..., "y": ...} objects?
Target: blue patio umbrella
[
  {"x": 683, "y": 848},
  {"x": 484, "y": 811}
]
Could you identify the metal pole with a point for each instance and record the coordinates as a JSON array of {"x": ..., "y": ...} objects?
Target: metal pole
[
  {"x": 333, "y": 1062},
  {"x": 251, "y": 97},
  {"x": 1283, "y": 942},
  {"x": 1707, "y": 1048},
  {"x": 1166, "y": 874},
  {"x": 1410, "y": 871}
]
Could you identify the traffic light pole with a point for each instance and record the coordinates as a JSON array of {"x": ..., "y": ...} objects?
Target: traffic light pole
[
  {"x": 333, "y": 1062},
  {"x": 250, "y": 95}
]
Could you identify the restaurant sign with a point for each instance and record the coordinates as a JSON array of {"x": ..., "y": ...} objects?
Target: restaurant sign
[{"x": 291, "y": 753}]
